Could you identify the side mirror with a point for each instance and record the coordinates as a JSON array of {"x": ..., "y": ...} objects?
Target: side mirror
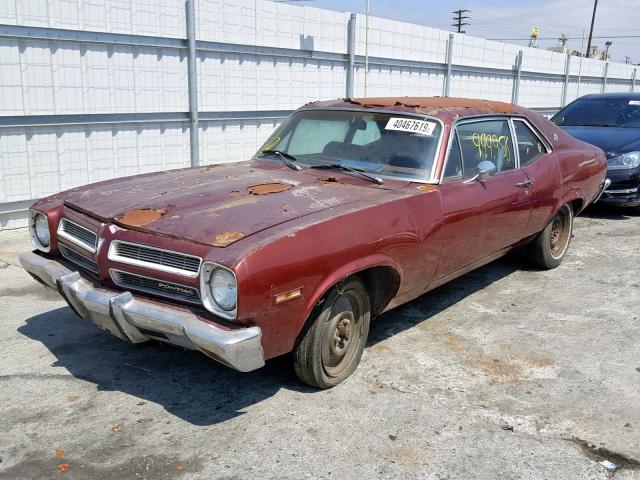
[{"x": 486, "y": 169}]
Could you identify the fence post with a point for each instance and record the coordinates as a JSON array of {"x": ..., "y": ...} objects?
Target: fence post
[
  {"x": 604, "y": 78},
  {"x": 565, "y": 87},
  {"x": 633, "y": 80},
  {"x": 447, "y": 78},
  {"x": 192, "y": 76},
  {"x": 351, "y": 51},
  {"x": 516, "y": 79}
]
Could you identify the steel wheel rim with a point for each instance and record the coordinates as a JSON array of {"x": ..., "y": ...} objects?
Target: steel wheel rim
[
  {"x": 560, "y": 233},
  {"x": 341, "y": 343}
]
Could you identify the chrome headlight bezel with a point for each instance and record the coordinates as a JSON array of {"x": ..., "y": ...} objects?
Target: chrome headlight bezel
[
  {"x": 626, "y": 161},
  {"x": 206, "y": 274},
  {"x": 39, "y": 243}
]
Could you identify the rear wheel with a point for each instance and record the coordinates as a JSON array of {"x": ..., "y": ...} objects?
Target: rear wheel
[
  {"x": 331, "y": 348},
  {"x": 548, "y": 249}
]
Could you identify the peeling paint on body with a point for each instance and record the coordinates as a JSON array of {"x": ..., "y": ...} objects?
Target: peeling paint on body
[
  {"x": 266, "y": 188},
  {"x": 142, "y": 216},
  {"x": 224, "y": 239}
]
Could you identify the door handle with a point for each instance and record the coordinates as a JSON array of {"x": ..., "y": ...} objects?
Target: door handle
[{"x": 525, "y": 184}]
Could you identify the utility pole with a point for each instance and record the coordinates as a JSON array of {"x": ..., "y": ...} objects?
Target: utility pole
[
  {"x": 458, "y": 19},
  {"x": 593, "y": 19}
]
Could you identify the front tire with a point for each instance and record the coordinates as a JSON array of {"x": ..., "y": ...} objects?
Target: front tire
[
  {"x": 548, "y": 249},
  {"x": 330, "y": 349}
]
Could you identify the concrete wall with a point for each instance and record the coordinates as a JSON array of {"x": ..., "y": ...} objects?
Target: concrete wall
[{"x": 247, "y": 81}]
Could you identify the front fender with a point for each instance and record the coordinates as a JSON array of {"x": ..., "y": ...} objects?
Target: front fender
[{"x": 351, "y": 268}]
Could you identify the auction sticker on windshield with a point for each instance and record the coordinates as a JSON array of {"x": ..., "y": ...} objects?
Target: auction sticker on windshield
[{"x": 421, "y": 127}]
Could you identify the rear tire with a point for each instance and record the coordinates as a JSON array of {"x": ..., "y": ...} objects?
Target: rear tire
[
  {"x": 330, "y": 349},
  {"x": 548, "y": 249}
]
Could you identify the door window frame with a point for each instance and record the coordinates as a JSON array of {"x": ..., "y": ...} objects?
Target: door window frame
[
  {"x": 514, "y": 141},
  {"x": 536, "y": 132}
]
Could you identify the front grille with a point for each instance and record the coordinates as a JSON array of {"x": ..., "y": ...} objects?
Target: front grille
[
  {"x": 79, "y": 235},
  {"x": 155, "y": 286},
  {"x": 78, "y": 259},
  {"x": 155, "y": 258}
]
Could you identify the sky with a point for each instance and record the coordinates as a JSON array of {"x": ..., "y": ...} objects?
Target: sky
[{"x": 501, "y": 19}]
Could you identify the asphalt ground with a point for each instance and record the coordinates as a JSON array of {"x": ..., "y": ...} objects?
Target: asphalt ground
[{"x": 505, "y": 373}]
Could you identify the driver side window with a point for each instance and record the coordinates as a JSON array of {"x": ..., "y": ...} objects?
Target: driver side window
[{"x": 485, "y": 140}]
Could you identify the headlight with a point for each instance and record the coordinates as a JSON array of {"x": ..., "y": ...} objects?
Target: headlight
[
  {"x": 223, "y": 289},
  {"x": 219, "y": 290},
  {"x": 626, "y": 160},
  {"x": 40, "y": 231}
]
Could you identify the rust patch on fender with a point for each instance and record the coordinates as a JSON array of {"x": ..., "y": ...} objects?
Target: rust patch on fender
[
  {"x": 427, "y": 188},
  {"x": 224, "y": 239},
  {"x": 142, "y": 216},
  {"x": 266, "y": 188}
]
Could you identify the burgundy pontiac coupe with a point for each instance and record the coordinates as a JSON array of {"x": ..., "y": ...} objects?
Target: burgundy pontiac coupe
[{"x": 351, "y": 208}]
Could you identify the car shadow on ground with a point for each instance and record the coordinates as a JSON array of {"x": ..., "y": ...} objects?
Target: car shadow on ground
[
  {"x": 436, "y": 301},
  {"x": 608, "y": 212},
  {"x": 193, "y": 387}
]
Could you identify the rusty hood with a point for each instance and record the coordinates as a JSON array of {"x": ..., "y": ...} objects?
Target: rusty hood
[{"x": 218, "y": 205}]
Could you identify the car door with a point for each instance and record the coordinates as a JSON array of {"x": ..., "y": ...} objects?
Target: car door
[
  {"x": 540, "y": 164},
  {"x": 481, "y": 217}
]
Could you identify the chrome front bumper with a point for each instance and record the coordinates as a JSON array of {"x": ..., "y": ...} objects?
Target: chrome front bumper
[{"x": 135, "y": 320}]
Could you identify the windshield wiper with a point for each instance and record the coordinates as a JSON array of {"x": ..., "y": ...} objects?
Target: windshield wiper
[
  {"x": 357, "y": 171},
  {"x": 285, "y": 157}
]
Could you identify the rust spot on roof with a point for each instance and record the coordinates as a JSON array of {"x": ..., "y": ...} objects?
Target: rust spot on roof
[
  {"x": 142, "y": 216},
  {"x": 266, "y": 188},
  {"x": 224, "y": 239},
  {"x": 435, "y": 106},
  {"x": 427, "y": 188},
  {"x": 434, "y": 103}
]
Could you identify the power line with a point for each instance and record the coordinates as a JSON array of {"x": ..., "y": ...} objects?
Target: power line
[
  {"x": 570, "y": 38},
  {"x": 459, "y": 20}
]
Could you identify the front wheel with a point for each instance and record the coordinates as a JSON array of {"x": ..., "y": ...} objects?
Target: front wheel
[
  {"x": 548, "y": 249},
  {"x": 330, "y": 349}
]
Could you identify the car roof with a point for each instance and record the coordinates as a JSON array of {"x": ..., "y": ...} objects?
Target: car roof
[
  {"x": 446, "y": 108},
  {"x": 615, "y": 95}
]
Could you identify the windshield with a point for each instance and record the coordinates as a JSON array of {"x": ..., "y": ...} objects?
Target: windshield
[
  {"x": 386, "y": 144},
  {"x": 600, "y": 112}
]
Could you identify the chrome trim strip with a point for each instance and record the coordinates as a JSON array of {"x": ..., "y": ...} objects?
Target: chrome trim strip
[
  {"x": 114, "y": 256},
  {"x": 76, "y": 240},
  {"x": 625, "y": 190},
  {"x": 113, "y": 273}
]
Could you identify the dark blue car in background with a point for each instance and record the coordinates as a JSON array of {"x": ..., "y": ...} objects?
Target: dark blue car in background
[{"x": 610, "y": 121}]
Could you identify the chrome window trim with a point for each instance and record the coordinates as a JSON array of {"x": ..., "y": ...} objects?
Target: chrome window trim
[
  {"x": 475, "y": 119},
  {"x": 113, "y": 256},
  {"x": 423, "y": 116},
  {"x": 155, "y": 292},
  {"x": 536, "y": 133},
  {"x": 72, "y": 239},
  {"x": 206, "y": 297},
  {"x": 32, "y": 231}
]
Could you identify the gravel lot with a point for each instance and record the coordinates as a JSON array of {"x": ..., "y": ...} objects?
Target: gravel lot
[{"x": 504, "y": 373}]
